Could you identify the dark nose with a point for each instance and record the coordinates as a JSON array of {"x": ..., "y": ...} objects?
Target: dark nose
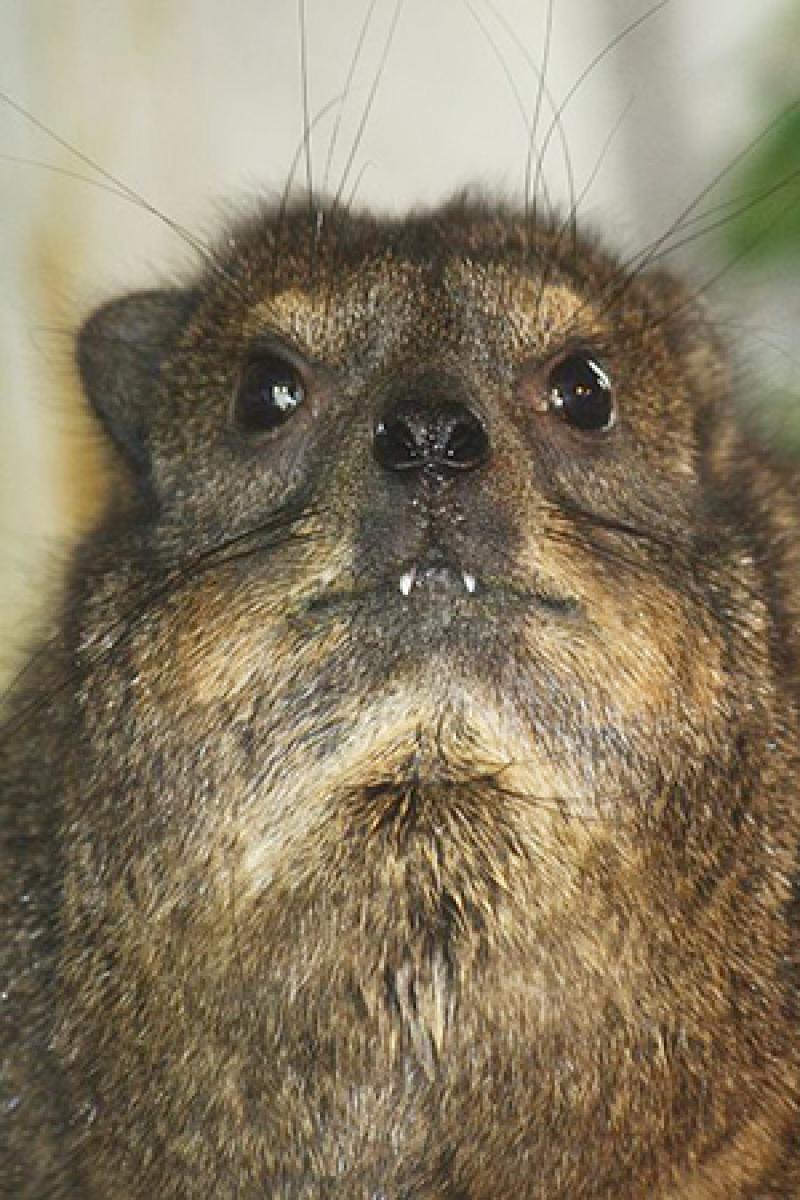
[{"x": 429, "y": 425}]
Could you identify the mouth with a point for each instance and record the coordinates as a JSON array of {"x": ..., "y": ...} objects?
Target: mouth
[
  {"x": 438, "y": 576},
  {"x": 441, "y": 586}
]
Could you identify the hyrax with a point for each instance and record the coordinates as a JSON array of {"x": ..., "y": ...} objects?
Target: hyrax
[{"x": 406, "y": 807}]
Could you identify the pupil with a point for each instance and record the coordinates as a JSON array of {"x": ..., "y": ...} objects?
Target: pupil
[{"x": 581, "y": 391}]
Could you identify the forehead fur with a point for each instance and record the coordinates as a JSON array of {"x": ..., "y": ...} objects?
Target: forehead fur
[
  {"x": 462, "y": 297},
  {"x": 457, "y": 275}
]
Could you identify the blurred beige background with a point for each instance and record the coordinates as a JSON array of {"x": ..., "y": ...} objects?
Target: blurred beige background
[{"x": 197, "y": 104}]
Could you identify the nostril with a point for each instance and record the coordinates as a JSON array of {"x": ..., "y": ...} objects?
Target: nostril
[
  {"x": 445, "y": 439},
  {"x": 466, "y": 442},
  {"x": 396, "y": 446}
]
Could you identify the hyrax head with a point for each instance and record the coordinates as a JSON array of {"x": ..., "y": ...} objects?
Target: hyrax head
[{"x": 456, "y": 460}]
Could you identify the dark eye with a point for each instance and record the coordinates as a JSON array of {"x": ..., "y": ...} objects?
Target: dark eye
[
  {"x": 580, "y": 391},
  {"x": 270, "y": 390}
]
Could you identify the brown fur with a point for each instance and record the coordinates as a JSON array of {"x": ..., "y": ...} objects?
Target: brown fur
[{"x": 312, "y": 889}]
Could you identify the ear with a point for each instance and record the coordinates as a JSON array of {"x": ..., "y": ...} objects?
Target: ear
[{"x": 120, "y": 352}]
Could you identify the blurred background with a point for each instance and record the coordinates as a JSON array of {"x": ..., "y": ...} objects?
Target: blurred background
[{"x": 197, "y": 107}]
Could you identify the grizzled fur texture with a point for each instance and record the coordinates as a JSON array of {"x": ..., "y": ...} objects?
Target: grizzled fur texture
[{"x": 412, "y": 819}]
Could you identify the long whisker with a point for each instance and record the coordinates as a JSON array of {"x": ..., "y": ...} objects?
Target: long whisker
[
  {"x": 492, "y": 43},
  {"x": 313, "y": 226},
  {"x": 598, "y": 520},
  {"x": 354, "y": 61},
  {"x": 696, "y": 559},
  {"x": 544, "y": 93},
  {"x": 351, "y": 199},
  {"x": 276, "y": 531},
  {"x": 568, "y": 808},
  {"x": 490, "y": 40},
  {"x": 585, "y": 74},
  {"x": 537, "y": 113},
  {"x": 718, "y": 178},
  {"x": 301, "y": 5},
  {"x": 200, "y": 247},
  {"x": 337, "y": 204},
  {"x": 54, "y": 169},
  {"x": 733, "y": 212},
  {"x": 634, "y": 266},
  {"x": 362, "y": 125},
  {"x": 761, "y": 335},
  {"x": 289, "y": 184},
  {"x": 714, "y": 279},
  {"x": 570, "y": 221}
]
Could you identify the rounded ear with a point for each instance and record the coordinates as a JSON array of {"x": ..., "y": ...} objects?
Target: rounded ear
[{"x": 120, "y": 352}]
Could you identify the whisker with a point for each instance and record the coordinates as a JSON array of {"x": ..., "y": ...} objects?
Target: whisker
[
  {"x": 354, "y": 61},
  {"x": 585, "y": 74},
  {"x": 313, "y": 238},
  {"x": 537, "y": 112},
  {"x": 633, "y": 267},
  {"x": 571, "y": 220},
  {"x": 618, "y": 525},
  {"x": 492, "y": 43},
  {"x": 336, "y": 204},
  {"x": 697, "y": 293},
  {"x": 746, "y": 206},
  {"x": 201, "y": 248},
  {"x": 718, "y": 178},
  {"x": 283, "y": 206},
  {"x": 571, "y": 93},
  {"x": 351, "y": 199},
  {"x": 615, "y": 555},
  {"x": 697, "y": 561},
  {"x": 362, "y": 125},
  {"x": 119, "y": 631},
  {"x": 568, "y": 808},
  {"x": 53, "y": 168},
  {"x": 301, "y": 6},
  {"x": 762, "y": 336},
  {"x": 544, "y": 93}
]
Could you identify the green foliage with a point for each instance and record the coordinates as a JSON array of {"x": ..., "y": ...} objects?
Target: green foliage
[
  {"x": 766, "y": 197},
  {"x": 761, "y": 238},
  {"x": 764, "y": 194}
]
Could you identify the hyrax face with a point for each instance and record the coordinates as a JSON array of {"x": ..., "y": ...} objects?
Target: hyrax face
[{"x": 411, "y": 827}]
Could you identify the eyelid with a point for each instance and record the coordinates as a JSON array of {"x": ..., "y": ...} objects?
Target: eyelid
[{"x": 270, "y": 342}]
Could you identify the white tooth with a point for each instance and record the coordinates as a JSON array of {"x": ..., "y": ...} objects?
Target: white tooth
[
  {"x": 407, "y": 581},
  {"x": 470, "y": 583}
]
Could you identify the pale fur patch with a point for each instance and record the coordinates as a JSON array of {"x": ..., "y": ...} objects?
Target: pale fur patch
[{"x": 401, "y": 725}]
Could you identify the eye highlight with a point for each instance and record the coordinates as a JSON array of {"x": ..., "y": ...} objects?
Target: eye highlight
[
  {"x": 580, "y": 392},
  {"x": 269, "y": 392}
]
